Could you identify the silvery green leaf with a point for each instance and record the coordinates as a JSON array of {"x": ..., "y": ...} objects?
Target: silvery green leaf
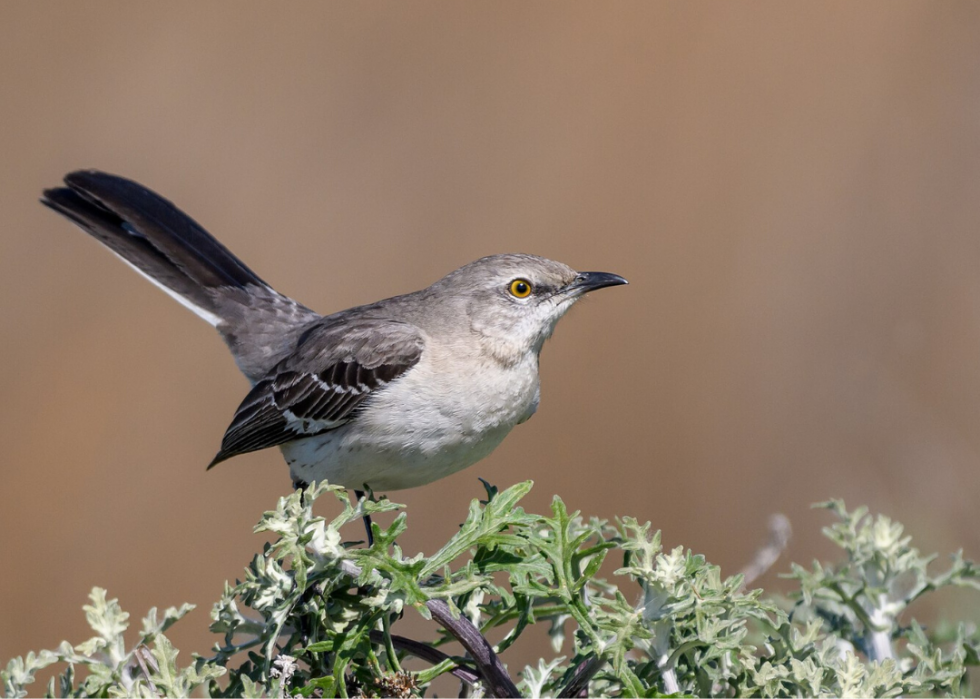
[
  {"x": 152, "y": 627},
  {"x": 537, "y": 680},
  {"x": 252, "y": 690},
  {"x": 105, "y": 616},
  {"x": 166, "y": 675},
  {"x": 556, "y": 631},
  {"x": 20, "y": 671},
  {"x": 686, "y": 628}
]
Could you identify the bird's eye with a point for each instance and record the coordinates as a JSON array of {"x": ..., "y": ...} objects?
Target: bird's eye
[{"x": 521, "y": 288}]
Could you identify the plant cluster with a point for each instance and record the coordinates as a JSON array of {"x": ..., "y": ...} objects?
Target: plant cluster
[{"x": 314, "y": 615}]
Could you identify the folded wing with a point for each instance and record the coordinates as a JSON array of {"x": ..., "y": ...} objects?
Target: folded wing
[{"x": 336, "y": 368}]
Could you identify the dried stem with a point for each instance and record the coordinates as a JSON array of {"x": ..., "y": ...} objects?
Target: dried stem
[
  {"x": 493, "y": 674},
  {"x": 141, "y": 659},
  {"x": 780, "y": 532},
  {"x": 584, "y": 672}
]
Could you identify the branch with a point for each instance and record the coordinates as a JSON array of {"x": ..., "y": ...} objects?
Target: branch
[
  {"x": 427, "y": 653},
  {"x": 584, "y": 672},
  {"x": 669, "y": 676},
  {"x": 780, "y": 532},
  {"x": 878, "y": 635},
  {"x": 492, "y": 672},
  {"x": 140, "y": 653}
]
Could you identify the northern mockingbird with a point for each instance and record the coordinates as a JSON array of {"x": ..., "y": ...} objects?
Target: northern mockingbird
[{"x": 391, "y": 395}]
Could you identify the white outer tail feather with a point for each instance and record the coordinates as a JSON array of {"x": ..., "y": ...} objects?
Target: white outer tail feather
[{"x": 207, "y": 315}]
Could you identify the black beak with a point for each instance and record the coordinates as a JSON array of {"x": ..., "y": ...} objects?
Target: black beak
[{"x": 590, "y": 281}]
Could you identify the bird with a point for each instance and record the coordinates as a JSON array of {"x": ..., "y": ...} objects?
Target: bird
[{"x": 386, "y": 396}]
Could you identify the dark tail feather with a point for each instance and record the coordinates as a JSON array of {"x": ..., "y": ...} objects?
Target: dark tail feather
[
  {"x": 176, "y": 234},
  {"x": 109, "y": 229},
  {"x": 173, "y": 251},
  {"x": 151, "y": 234}
]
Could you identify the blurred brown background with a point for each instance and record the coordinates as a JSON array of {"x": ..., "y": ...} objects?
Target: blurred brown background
[{"x": 792, "y": 191}]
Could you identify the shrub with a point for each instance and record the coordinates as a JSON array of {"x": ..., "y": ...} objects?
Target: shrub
[{"x": 313, "y": 615}]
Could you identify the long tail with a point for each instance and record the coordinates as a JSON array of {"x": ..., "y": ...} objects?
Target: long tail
[{"x": 175, "y": 253}]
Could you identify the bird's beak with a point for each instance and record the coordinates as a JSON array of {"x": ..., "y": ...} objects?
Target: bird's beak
[{"x": 590, "y": 281}]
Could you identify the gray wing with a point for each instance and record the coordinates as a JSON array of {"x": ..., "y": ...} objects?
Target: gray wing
[{"x": 337, "y": 366}]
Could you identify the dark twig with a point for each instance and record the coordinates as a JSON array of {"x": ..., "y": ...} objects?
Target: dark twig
[
  {"x": 578, "y": 686},
  {"x": 780, "y": 532},
  {"x": 427, "y": 653},
  {"x": 493, "y": 674}
]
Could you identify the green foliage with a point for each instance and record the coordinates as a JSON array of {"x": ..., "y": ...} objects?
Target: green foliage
[
  {"x": 313, "y": 614},
  {"x": 111, "y": 670}
]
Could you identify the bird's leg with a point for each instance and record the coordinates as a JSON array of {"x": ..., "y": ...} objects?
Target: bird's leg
[
  {"x": 301, "y": 486},
  {"x": 367, "y": 518}
]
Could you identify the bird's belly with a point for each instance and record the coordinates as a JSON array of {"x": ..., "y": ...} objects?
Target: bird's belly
[
  {"x": 416, "y": 432},
  {"x": 353, "y": 459}
]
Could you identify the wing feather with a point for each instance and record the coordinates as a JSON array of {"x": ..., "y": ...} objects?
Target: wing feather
[{"x": 336, "y": 368}]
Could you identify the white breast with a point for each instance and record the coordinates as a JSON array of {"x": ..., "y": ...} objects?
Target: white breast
[{"x": 423, "y": 426}]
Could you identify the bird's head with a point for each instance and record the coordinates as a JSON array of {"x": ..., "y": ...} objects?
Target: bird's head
[{"x": 513, "y": 301}]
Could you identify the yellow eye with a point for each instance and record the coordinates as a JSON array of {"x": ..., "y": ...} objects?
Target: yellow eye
[{"x": 521, "y": 288}]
